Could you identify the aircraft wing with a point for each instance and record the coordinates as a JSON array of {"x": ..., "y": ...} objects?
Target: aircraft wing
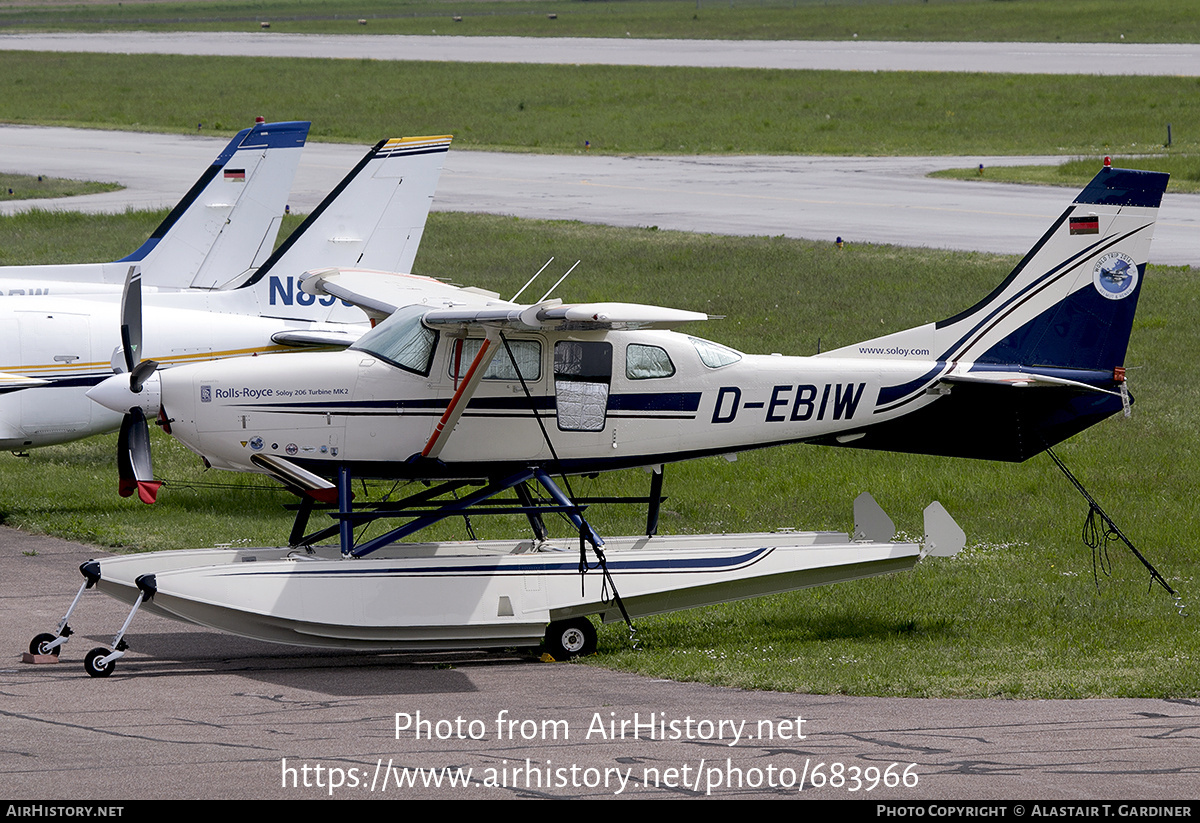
[
  {"x": 380, "y": 293},
  {"x": 557, "y": 315}
]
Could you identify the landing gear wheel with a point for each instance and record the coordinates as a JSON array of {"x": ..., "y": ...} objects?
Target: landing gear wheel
[
  {"x": 568, "y": 639},
  {"x": 94, "y": 667},
  {"x": 43, "y": 639}
]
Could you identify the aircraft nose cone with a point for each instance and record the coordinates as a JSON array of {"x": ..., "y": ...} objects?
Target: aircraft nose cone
[{"x": 114, "y": 393}]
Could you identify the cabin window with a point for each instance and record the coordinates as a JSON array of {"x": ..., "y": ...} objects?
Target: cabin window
[
  {"x": 528, "y": 354},
  {"x": 714, "y": 355},
  {"x": 647, "y": 362},
  {"x": 582, "y": 374},
  {"x": 402, "y": 340}
]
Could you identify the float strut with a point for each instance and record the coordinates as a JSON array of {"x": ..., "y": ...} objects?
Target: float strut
[
  {"x": 656, "y": 484},
  {"x": 100, "y": 664},
  {"x": 346, "y": 531},
  {"x": 535, "y": 519},
  {"x": 584, "y": 527}
]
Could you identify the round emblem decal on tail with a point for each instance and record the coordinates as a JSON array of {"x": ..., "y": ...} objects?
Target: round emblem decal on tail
[{"x": 1115, "y": 275}]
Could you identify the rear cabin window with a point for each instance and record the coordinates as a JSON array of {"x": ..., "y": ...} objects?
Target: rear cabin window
[
  {"x": 647, "y": 362},
  {"x": 582, "y": 374},
  {"x": 714, "y": 355}
]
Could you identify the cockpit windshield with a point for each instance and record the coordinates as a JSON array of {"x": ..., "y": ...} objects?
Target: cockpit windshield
[{"x": 402, "y": 340}]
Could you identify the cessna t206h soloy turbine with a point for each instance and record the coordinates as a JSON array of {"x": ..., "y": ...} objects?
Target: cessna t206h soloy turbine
[{"x": 468, "y": 390}]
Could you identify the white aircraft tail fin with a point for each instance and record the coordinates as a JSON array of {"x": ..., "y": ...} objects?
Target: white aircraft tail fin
[
  {"x": 1070, "y": 303},
  {"x": 373, "y": 219},
  {"x": 228, "y": 221},
  {"x": 1041, "y": 357}
]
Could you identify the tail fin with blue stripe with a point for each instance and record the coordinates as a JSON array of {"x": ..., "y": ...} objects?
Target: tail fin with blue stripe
[{"x": 1041, "y": 357}]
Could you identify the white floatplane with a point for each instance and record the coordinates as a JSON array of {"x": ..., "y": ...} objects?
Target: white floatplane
[{"x": 472, "y": 393}]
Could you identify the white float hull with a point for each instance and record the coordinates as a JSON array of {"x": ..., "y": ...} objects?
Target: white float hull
[{"x": 479, "y": 594}]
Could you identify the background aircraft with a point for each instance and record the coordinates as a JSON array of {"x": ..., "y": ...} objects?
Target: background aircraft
[
  {"x": 223, "y": 227},
  {"x": 60, "y": 347}
]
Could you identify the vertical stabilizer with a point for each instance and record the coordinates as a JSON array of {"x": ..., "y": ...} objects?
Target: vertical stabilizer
[
  {"x": 373, "y": 219},
  {"x": 228, "y": 221},
  {"x": 1070, "y": 302},
  {"x": 1039, "y": 359}
]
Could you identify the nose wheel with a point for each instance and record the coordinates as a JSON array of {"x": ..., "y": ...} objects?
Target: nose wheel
[
  {"x": 100, "y": 662},
  {"x": 44, "y": 644},
  {"x": 97, "y": 662}
]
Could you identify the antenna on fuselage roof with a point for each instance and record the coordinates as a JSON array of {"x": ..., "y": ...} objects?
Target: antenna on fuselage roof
[
  {"x": 530, "y": 281},
  {"x": 555, "y": 286}
]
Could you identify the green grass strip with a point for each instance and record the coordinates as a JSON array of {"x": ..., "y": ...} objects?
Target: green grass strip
[
  {"x": 1146, "y": 21},
  {"x": 615, "y": 109},
  {"x": 40, "y": 187},
  {"x": 1184, "y": 171}
]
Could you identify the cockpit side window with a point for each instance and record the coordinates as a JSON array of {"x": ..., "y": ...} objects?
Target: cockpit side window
[
  {"x": 528, "y": 354},
  {"x": 402, "y": 340}
]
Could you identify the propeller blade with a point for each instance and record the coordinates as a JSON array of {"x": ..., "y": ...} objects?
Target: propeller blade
[
  {"x": 131, "y": 317},
  {"x": 139, "y": 374},
  {"x": 133, "y": 458}
]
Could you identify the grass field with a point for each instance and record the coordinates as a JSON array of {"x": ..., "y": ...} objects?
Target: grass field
[
  {"x": 1146, "y": 21},
  {"x": 616, "y": 109},
  {"x": 1017, "y": 615},
  {"x": 30, "y": 187},
  {"x": 1184, "y": 171}
]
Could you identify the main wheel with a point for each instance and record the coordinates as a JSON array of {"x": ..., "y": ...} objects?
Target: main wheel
[
  {"x": 93, "y": 665},
  {"x": 568, "y": 639},
  {"x": 37, "y": 644}
]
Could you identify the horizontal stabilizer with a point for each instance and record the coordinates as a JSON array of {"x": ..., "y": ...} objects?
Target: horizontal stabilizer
[{"x": 1021, "y": 379}]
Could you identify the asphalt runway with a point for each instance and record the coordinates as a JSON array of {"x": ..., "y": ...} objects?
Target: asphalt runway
[
  {"x": 190, "y": 713},
  {"x": 862, "y": 199}
]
